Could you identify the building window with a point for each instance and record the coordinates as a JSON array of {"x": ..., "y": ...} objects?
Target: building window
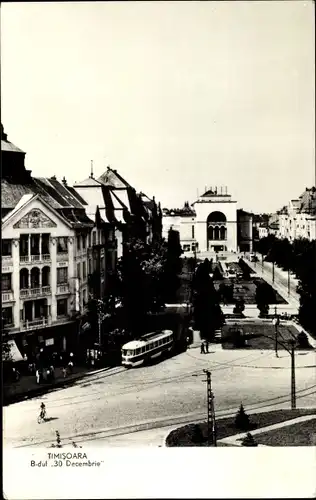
[
  {"x": 6, "y": 248},
  {"x": 62, "y": 244},
  {"x": 62, "y": 307},
  {"x": 94, "y": 238},
  {"x": 84, "y": 271},
  {"x": 84, "y": 242},
  {"x": 193, "y": 233},
  {"x": 84, "y": 297},
  {"x": 78, "y": 270},
  {"x": 78, "y": 242},
  {"x": 6, "y": 282},
  {"x": 7, "y": 316},
  {"x": 62, "y": 275},
  {"x": 89, "y": 240},
  {"x": 89, "y": 266}
]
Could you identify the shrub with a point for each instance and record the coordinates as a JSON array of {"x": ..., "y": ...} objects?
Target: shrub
[
  {"x": 242, "y": 421},
  {"x": 239, "y": 306},
  {"x": 248, "y": 440},
  {"x": 302, "y": 340}
]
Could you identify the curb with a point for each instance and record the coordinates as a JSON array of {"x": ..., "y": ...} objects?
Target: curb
[{"x": 45, "y": 389}]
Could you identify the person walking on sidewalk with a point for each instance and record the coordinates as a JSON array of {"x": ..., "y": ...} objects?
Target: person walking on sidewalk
[
  {"x": 206, "y": 346},
  {"x": 202, "y": 347}
]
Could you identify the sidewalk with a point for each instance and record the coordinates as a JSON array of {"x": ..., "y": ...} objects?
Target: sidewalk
[
  {"x": 27, "y": 387},
  {"x": 252, "y": 358},
  {"x": 280, "y": 281}
]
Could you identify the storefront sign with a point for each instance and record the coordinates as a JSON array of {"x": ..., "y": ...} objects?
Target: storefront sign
[
  {"x": 49, "y": 342},
  {"x": 62, "y": 264}
]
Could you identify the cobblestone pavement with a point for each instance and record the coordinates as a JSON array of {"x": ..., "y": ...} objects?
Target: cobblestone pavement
[{"x": 170, "y": 392}]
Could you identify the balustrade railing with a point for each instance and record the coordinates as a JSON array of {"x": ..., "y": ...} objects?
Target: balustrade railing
[
  {"x": 62, "y": 256},
  {"x": 36, "y": 323},
  {"x": 63, "y": 288},
  {"x": 7, "y": 296},
  {"x": 35, "y": 292},
  {"x": 35, "y": 258}
]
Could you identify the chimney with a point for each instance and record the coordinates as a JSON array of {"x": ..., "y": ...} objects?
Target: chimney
[{"x": 64, "y": 181}]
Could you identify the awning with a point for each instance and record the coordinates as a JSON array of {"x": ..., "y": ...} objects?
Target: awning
[{"x": 14, "y": 352}]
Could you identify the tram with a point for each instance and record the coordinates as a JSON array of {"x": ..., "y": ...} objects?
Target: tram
[{"x": 148, "y": 347}]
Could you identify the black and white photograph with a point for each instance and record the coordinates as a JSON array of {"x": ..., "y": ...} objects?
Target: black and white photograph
[{"x": 158, "y": 249}]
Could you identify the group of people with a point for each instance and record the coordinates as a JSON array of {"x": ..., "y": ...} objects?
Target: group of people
[{"x": 44, "y": 366}]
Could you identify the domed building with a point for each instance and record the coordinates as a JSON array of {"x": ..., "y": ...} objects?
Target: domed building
[{"x": 213, "y": 223}]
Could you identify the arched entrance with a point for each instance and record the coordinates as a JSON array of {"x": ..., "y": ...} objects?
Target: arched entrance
[{"x": 216, "y": 231}]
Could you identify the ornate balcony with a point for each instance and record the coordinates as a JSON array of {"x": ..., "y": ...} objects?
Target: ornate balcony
[
  {"x": 62, "y": 256},
  {"x": 36, "y": 323},
  {"x": 35, "y": 292},
  {"x": 62, "y": 289},
  {"x": 7, "y": 296},
  {"x": 7, "y": 260},
  {"x": 35, "y": 259}
]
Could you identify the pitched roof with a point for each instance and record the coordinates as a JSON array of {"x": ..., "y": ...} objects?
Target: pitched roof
[
  {"x": 112, "y": 178},
  {"x": 52, "y": 192},
  {"x": 89, "y": 182},
  {"x": 8, "y": 146}
]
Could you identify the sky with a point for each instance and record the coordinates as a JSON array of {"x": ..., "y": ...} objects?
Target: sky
[{"x": 177, "y": 96}]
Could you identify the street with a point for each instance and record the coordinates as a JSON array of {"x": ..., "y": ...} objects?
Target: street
[{"x": 101, "y": 409}]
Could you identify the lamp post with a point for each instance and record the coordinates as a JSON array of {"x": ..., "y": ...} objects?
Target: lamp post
[
  {"x": 293, "y": 392},
  {"x": 276, "y": 322}
]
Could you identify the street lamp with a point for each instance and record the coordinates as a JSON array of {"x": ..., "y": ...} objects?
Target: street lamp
[{"x": 276, "y": 322}]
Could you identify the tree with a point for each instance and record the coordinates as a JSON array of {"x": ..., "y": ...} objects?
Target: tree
[
  {"x": 217, "y": 275},
  {"x": 208, "y": 315},
  {"x": 239, "y": 306},
  {"x": 242, "y": 421},
  {"x": 172, "y": 266},
  {"x": 263, "y": 294}
]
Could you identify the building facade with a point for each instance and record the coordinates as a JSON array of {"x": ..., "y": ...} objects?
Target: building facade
[
  {"x": 298, "y": 218},
  {"x": 211, "y": 224},
  {"x": 45, "y": 231}
]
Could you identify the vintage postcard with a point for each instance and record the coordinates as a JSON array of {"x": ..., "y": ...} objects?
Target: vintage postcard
[{"x": 158, "y": 254}]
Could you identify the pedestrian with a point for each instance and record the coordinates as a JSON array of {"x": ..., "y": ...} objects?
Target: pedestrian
[
  {"x": 70, "y": 366},
  {"x": 202, "y": 348},
  {"x": 52, "y": 371},
  {"x": 64, "y": 370},
  {"x": 37, "y": 376},
  {"x": 206, "y": 346}
]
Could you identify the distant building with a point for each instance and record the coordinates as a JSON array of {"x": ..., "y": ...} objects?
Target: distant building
[
  {"x": 211, "y": 224},
  {"x": 298, "y": 218}
]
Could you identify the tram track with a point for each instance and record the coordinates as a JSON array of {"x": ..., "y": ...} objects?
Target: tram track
[{"x": 163, "y": 422}]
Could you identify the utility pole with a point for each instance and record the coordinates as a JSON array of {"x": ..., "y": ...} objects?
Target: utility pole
[
  {"x": 276, "y": 323},
  {"x": 293, "y": 392},
  {"x": 211, "y": 423},
  {"x": 99, "y": 320},
  {"x": 273, "y": 271}
]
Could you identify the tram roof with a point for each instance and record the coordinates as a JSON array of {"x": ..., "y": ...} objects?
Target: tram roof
[{"x": 137, "y": 343}]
